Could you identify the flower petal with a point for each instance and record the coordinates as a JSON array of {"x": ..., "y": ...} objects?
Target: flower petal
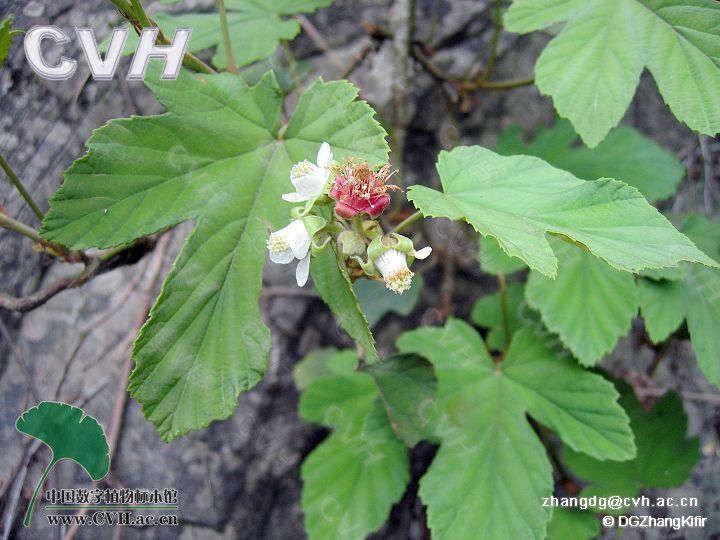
[
  {"x": 303, "y": 270},
  {"x": 423, "y": 253},
  {"x": 293, "y": 197},
  {"x": 298, "y": 238},
  {"x": 324, "y": 156},
  {"x": 284, "y": 257}
]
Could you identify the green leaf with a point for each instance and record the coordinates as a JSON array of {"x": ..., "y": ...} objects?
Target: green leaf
[
  {"x": 70, "y": 434},
  {"x": 662, "y": 305},
  {"x": 322, "y": 363},
  {"x": 350, "y": 483},
  {"x": 572, "y": 525},
  {"x": 519, "y": 199},
  {"x": 407, "y": 387},
  {"x": 353, "y": 478},
  {"x": 376, "y": 300},
  {"x": 6, "y": 37},
  {"x": 591, "y": 69},
  {"x": 256, "y": 28},
  {"x": 217, "y": 157},
  {"x": 665, "y": 457},
  {"x": 625, "y": 155},
  {"x": 695, "y": 297},
  {"x": 335, "y": 288},
  {"x": 590, "y": 305},
  {"x": 491, "y": 470},
  {"x": 493, "y": 260},
  {"x": 487, "y": 312}
]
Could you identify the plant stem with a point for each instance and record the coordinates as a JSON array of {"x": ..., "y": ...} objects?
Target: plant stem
[
  {"x": 231, "y": 65},
  {"x": 18, "y": 185},
  {"x": 136, "y": 16},
  {"x": 291, "y": 63},
  {"x": 405, "y": 223},
  {"x": 123, "y": 7},
  {"x": 140, "y": 14},
  {"x": 497, "y": 29},
  {"x": 31, "y": 506},
  {"x": 505, "y": 309},
  {"x": 6, "y": 222},
  {"x": 505, "y": 85}
]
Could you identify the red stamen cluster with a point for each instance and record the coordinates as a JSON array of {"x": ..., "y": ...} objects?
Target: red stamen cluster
[{"x": 359, "y": 189}]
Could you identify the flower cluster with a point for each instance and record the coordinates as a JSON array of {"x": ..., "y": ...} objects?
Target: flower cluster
[{"x": 342, "y": 202}]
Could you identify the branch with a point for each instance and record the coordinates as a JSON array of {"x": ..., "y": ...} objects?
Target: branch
[
  {"x": 6, "y": 222},
  {"x": 497, "y": 29},
  {"x": 462, "y": 86},
  {"x": 94, "y": 267},
  {"x": 317, "y": 38}
]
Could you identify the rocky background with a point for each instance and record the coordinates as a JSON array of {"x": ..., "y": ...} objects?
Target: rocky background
[{"x": 240, "y": 478}]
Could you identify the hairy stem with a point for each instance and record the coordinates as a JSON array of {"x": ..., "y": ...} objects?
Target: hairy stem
[
  {"x": 18, "y": 185},
  {"x": 231, "y": 64}
]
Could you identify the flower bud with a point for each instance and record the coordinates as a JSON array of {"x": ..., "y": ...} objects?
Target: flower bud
[{"x": 351, "y": 243}]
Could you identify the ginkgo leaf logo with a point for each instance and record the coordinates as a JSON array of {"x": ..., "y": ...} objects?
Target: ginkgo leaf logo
[{"x": 70, "y": 434}]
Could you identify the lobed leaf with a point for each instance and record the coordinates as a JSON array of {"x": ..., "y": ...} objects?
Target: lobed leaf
[
  {"x": 591, "y": 69},
  {"x": 519, "y": 199},
  {"x": 353, "y": 478},
  {"x": 491, "y": 469},
  {"x": 218, "y": 157}
]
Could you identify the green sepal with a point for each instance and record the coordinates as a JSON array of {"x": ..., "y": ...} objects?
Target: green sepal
[
  {"x": 395, "y": 241},
  {"x": 314, "y": 224},
  {"x": 319, "y": 244}
]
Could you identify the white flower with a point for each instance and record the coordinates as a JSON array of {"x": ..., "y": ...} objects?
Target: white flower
[
  {"x": 309, "y": 179},
  {"x": 289, "y": 243},
  {"x": 392, "y": 265}
]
